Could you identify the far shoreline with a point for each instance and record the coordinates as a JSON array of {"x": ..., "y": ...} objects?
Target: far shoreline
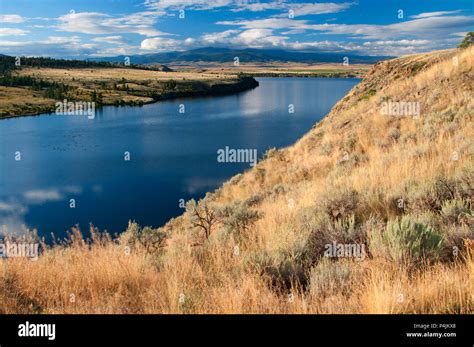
[
  {"x": 245, "y": 83},
  {"x": 222, "y": 89}
]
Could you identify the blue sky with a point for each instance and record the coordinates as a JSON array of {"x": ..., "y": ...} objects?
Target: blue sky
[{"x": 87, "y": 28}]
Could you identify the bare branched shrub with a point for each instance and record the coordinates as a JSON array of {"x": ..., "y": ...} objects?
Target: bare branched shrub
[{"x": 202, "y": 216}]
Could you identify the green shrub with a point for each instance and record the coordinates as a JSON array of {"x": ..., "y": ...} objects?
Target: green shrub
[
  {"x": 467, "y": 41},
  {"x": 416, "y": 67},
  {"x": 405, "y": 241},
  {"x": 430, "y": 219},
  {"x": 368, "y": 95},
  {"x": 169, "y": 85}
]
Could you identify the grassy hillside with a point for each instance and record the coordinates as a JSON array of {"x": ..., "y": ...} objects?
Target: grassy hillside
[{"x": 398, "y": 186}]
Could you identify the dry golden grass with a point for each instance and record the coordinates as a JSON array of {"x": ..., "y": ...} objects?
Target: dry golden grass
[
  {"x": 116, "y": 74},
  {"x": 290, "y": 69},
  {"x": 221, "y": 274},
  {"x": 15, "y": 101},
  {"x": 107, "y": 279}
]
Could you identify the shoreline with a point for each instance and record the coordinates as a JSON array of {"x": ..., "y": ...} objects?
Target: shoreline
[
  {"x": 243, "y": 84},
  {"x": 246, "y": 82},
  {"x": 308, "y": 75}
]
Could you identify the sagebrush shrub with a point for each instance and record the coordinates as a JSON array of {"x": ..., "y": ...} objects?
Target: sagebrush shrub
[
  {"x": 340, "y": 202},
  {"x": 237, "y": 217},
  {"x": 431, "y": 195},
  {"x": 325, "y": 231},
  {"x": 406, "y": 242},
  {"x": 465, "y": 183},
  {"x": 255, "y": 200},
  {"x": 329, "y": 278},
  {"x": 455, "y": 240},
  {"x": 284, "y": 269},
  {"x": 456, "y": 211},
  {"x": 394, "y": 134},
  {"x": 152, "y": 240}
]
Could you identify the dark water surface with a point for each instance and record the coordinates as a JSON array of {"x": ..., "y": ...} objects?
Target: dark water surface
[{"x": 173, "y": 156}]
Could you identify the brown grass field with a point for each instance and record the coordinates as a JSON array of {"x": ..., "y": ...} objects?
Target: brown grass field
[
  {"x": 279, "y": 68},
  {"x": 401, "y": 186}
]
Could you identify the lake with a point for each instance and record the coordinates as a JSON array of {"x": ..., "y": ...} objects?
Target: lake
[{"x": 46, "y": 161}]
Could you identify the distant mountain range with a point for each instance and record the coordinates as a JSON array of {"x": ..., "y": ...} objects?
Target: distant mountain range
[{"x": 220, "y": 55}]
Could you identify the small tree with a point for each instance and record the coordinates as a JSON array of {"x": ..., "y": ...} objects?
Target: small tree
[
  {"x": 468, "y": 40},
  {"x": 201, "y": 216}
]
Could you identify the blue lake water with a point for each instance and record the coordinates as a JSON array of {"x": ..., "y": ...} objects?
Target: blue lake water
[{"x": 173, "y": 156}]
